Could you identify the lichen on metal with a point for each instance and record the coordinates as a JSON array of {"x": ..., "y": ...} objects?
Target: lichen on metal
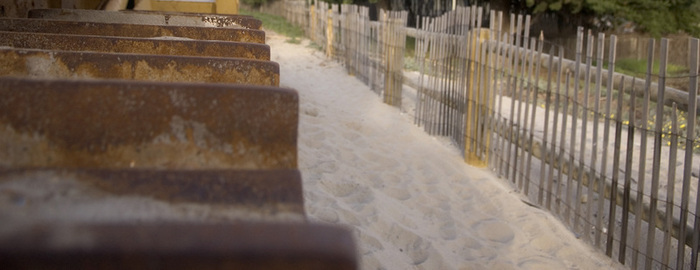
[
  {"x": 149, "y": 17},
  {"x": 52, "y": 64},
  {"x": 113, "y": 124},
  {"x": 134, "y": 45},
  {"x": 131, "y": 30}
]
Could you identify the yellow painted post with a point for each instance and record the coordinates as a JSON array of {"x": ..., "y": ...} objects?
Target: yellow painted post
[
  {"x": 470, "y": 155},
  {"x": 79, "y": 4},
  {"x": 227, "y": 6},
  {"x": 143, "y": 5},
  {"x": 116, "y": 5},
  {"x": 329, "y": 35},
  {"x": 183, "y": 6},
  {"x": 312, "y": 24}
]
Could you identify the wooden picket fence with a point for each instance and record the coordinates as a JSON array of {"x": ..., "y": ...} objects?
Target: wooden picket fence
[{"x": 610, "y": 155}]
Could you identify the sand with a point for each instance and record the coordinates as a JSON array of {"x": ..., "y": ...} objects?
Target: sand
[{"x": 410, "y": 199}]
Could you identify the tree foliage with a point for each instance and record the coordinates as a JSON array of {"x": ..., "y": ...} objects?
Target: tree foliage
[
  {"x": 254, "y": 3},
  {"x": 657, "y": 17}
]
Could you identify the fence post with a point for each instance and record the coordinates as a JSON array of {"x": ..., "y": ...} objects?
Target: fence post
[
  {"x": 312, "y": 23},
  {"x": 658, "y": 128},
  {"x": 470, "y": 152},
  {"x": 694, "y": 59},
  {"x": 329, "y": 35},
  {"x": 642, "y": 155},
  {"x": 687, "y": 172}
]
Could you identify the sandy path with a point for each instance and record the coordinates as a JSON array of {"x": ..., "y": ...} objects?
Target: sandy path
[{"x": 411, "y": 200}]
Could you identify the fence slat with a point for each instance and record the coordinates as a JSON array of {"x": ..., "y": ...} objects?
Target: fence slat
[
  {"x": 592, "y": 184},
  {"x": 574, "y": 115},
  {"x": 510, "y": 126},
  {"x": 533, "y": 87},
  {"x": 606, "y": 135},
  {"x": 514, "y": 93},
  {"x": 524, "y": 72},
  {"x": 480, "y": 144},
  {"x": 546, "y": 158},
  {"x": 553, "y": 159},
  {"x": 694, "y": 62},
  {"x": 584, "y": 126},
  {"x": 668, "y": 225},
  {"x": 503, "y": 123},
  {"x": 642, "y": 157},
  {"x": 495, "y": 39},
  {"x": 656, "y": 166},
  {"x": 562, "y": 160},
  {"x": 628, "y": 176}
]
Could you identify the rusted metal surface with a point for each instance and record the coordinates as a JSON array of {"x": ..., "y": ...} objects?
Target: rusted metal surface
[
  {"x": 91, "y": 65},
  {"x": 179, "y": 246},
  {"x": 267, "y": 192},
  {"x": 153, "y": 18},
  {"x": 131, "y": 30},
  {"x": 130, "y": 174},
  {"x": 118, "y": 124},
  {"x": 160, "y": 46}
]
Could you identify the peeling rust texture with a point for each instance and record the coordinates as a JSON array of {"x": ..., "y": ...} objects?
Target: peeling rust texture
[
  {"x": 119, "y": 124},
  {"x": 258, "y": 190},
  {"x": 90, "y": 65},
  {"x": 134, "y": 45},
  {"x": 179, "y": 246},
  {"x": 218, "y": 20},
  {"x": 153, "y": 18},
  {"x": 132, "y": 30}
]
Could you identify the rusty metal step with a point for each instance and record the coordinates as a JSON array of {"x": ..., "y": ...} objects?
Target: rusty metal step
[
  {"x": 224, "y": 195},
  {"x": 179, "y": 246},
  {"x": 160, "y": 46},
  {"x": 92, "y": 65},
  {"x": 228, "y": 152},
  {"x": 131, "y": 30},
  {"x": 118, "y": 124},
  {"x": 153, "y": 18}
]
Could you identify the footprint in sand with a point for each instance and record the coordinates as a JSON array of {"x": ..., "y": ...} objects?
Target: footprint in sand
[
  {"x": 315, "y": 140},
  {"x": 349, "y": 217},
  {"x": 399, "y": 193},
  {"x": 434, "y": 261},
  {"x": 371, "y": 262},
  {"x": 348, "y": 157},
  {"x": 349, "y": 191},
  {"x": 448, "y": 229},
  {"x": 369, "y": 244},
  {"x": 539, "y": 262},
  {"x": 416, "y": 247},
  {"x": 326, "y": 167},
  {"x": 545, "y": 242},
  {"x": 377, "y": 181},
  {"x": 391, "y": 179},
  {"x": 495, "y": 231},
  {"x": 351, "y": 136},
  {"x": 310, "y": 111},
  {"x": 380, "y": 161},
  {"x": 324, "y": 214},
  {"x": 473, "y": 250},
  {"x": 338, "y": 187},
  {"x": 466, "y": 194},
  {"x": 435, "y": 211},
  {"x": 362, "y": 195},
  {"x": 408, "y": 222},
  {"x": 310, "y": 126}
]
